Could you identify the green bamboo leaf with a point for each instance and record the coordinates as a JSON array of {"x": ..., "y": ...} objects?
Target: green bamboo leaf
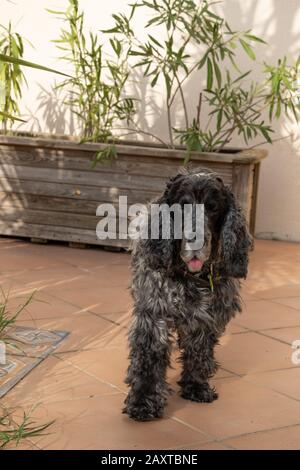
[
  {"x": 111, "y": 30},
  {"x": 265, "y": 134},
  {"x": 217, "y": 73},
  {"x": 9, "y": 116},
  {"x": 116, "y": 45},
  {"x": 54, "y": 12},
  {"x": 203, "y": 61},
  {"x": 108, "y": 153},
  {"x": 219, "y": 119},
  {"x": 143, "y": 62},
  {"x": 212, "y": 15},
  {"x": 155, "y": 41},
  {"x": 25, "y": 63},
  {"x": 209, "y": 80},
  {"x": 271, "y": 109},
  {"x": 156, "y": 20},
  {"x": 168, "y": 84},
  {"x": 150, "y": 5},
  {"x": 241, "y": 77},
  {"x": 248, "y": 49},
  {"x": 137, "y": 53},
  {"x": 154, "y": 81},
  {"x": 255, "y": 38},
  {"x": 278, "y": 108},
  {"x": 292, "y": 106}
]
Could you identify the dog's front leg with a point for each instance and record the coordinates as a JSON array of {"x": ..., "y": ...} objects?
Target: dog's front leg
[
  {"x": 149, "y": 357},
  {"x": 199, "y": 365}
]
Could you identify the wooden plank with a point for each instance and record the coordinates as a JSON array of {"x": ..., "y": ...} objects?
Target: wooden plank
[
  {"x": 69, "y": 220},
  {"x": 77, "y": 245},
  {"x": 242, "y": 187},
  {"x": 78, "y": 177},
  {"x": 46, "y": 203},
  {"x": 39, "y": 241},
  {"x": 101, "y": 180},
  {"x": 126, "y": 164},
  {"x": 244, "y": 157},
  {"x": 53, "y": 232},
  {"x": 10, "y": 203},
  {"x": 256, "y": 173},
  {"x": 72, "y": 191}
]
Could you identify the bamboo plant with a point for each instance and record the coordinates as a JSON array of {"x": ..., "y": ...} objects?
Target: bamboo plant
[
  {"x": 186, "y": 37},
  {"x": 11, "y": 76},
  {"x": 97, "y": 84}
]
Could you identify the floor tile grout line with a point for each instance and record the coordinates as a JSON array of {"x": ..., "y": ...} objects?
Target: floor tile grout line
[
  {"x": 69, "y": 400},
  {"x": 286, "y": 395},
  {"x": 272, "y": 299},
  {"x": 92, "y": 375},
  {"x": 82, "y": 310},
  {"x": 221, "y": 440},
  {"x": 261, "y": 333},
  {"x": 254, "y": 330},
  {"x": 87, "y": 310},
  {"x": 215, "y": 441},
  {"x": 280, "y": 328},
  {"x": 87, "y": 349},
  {"x": 183, "y": 446},
  {"x": 279, "y": 369},
  {"x": 236, "y": 436},
  {"x": 285, "y": 305},
  {"x": 190, "y": 426},
  {"x": 261, "y": 385},
  {"x": 233, "y": 374}
]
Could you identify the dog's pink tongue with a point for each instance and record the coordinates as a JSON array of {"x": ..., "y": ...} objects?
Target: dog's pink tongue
[{"x": 195, "y": 264}]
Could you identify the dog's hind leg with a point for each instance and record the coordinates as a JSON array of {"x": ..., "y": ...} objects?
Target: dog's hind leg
[
  {"x": 149, "y": 357},
  {"x": 199, "y": 364}
]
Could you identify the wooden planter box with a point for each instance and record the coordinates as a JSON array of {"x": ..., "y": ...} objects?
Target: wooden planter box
[{"x": 49, "y": 190}]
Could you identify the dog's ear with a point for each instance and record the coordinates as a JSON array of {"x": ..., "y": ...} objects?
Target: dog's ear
[
  {"x": 160, "y": 251},
  {"x": 235, "y": 241}
]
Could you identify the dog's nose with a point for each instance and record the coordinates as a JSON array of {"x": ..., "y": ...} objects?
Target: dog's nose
[{"x": 194, "y": 244}]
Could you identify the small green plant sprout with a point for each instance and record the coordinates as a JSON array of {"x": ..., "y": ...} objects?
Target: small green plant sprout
[
  {"x": 14, "y": 430},
  {"x": 97, "y": 85},
  {"x": 8, "y": 319},
  {"x": 195, "y": 40}
]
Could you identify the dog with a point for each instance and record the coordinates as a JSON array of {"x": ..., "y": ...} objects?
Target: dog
[{"x": 191, "y": 292}]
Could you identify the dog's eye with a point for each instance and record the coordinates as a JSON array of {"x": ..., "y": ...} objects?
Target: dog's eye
[
  {"x": 186, "y": 200},
  {"x": 211, "y": 206}
]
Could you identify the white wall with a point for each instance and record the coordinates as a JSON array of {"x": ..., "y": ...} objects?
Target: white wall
[{"x": 276, "y": 21}]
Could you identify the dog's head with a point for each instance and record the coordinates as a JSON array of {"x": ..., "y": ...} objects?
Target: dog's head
[{"x": 225, "y": 238}]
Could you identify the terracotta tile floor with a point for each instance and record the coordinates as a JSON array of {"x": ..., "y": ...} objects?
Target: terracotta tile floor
[{"x": 81, "y": 385}]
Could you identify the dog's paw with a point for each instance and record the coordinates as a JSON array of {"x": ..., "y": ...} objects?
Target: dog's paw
[
  {"x": 143, "y": 410},
  {"x": 201, "y": 393}
]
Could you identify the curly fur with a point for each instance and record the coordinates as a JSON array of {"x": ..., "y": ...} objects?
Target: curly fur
[{"x": 168, "y": 298}]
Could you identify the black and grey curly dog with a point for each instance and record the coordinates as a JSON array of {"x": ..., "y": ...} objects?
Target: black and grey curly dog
[{"x": 192, "y": 293}]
